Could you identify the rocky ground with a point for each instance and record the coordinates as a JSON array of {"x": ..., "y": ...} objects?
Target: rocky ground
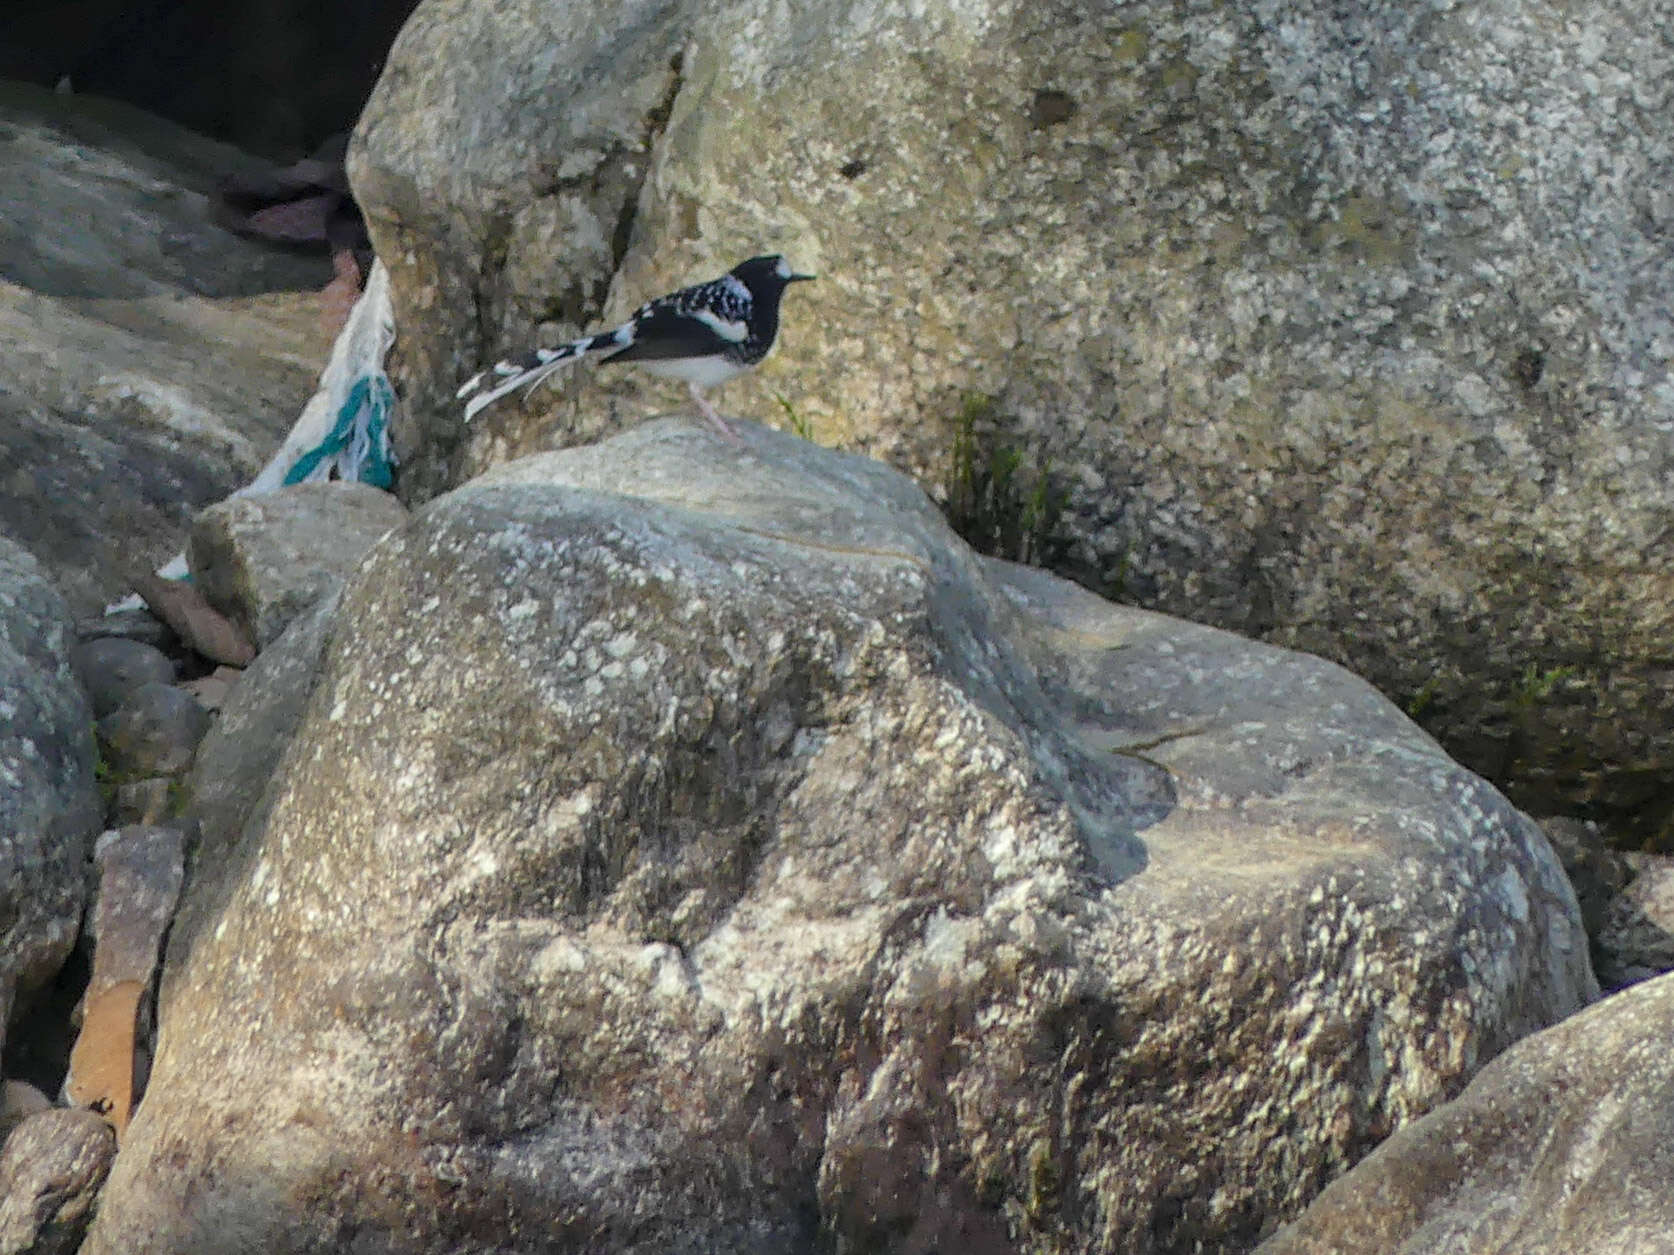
[{"x": 662, "y": 844}]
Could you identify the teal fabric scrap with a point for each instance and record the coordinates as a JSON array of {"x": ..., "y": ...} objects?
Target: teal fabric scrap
[{"x": 358, "y": 442}]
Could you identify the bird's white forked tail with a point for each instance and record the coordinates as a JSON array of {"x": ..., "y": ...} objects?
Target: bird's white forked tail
[{"x": 511, "y": 377}]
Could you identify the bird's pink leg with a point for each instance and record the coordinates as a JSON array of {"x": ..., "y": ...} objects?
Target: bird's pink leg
[{"x": 709, "y": 412}]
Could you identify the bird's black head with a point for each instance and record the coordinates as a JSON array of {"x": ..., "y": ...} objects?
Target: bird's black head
[{"x": 771, "y": 273}]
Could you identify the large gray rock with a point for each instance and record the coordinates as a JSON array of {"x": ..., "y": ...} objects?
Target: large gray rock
[
  {"x": 104, "y": 200},
  {"x": 49, "y": 802},
  {"x": 1563, "y": 1145},
  {"x": 151, "y": 363},
  {"x": 694, "y": 848},
  {"x": 1338, "y": 325}
]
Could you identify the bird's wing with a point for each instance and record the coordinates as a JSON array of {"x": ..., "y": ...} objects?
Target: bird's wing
[{"x": 699, "y": 321}]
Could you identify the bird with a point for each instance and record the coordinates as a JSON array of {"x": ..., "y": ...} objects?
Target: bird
[{"x": 705, "y": 335}]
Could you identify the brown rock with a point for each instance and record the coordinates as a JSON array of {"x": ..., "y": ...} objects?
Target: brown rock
[
  {"x": 185, "y": 609},
  {"x": 102, "y": 1064}
]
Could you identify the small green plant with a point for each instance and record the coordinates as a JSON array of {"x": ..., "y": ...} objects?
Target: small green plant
[
  {"x": 798, "y": 424},
  {"x": 1001, "y": 507},
  {"x": 1537, "y": 685},
  {"x": 1421, "y": 701},
  {"x": 1045, "y": 1180}
]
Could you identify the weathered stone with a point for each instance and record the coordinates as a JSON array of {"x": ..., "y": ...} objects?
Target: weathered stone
[
  {"x": 693, "y": 847},
  {"x": 103, "y": 200},
  {"x": 263, "y": 560},
  {"x": 1338, "y": 325},
  {"x": 18, "y": 1101},
  {"x": 133, "y": 624},
  {"x": 1563, "y": 1145},
  {"x": 1596, "y": 870},
  {"x": 213, "y": 690},
  {"x": 147, "y": 801},
  {"x": 50, "y": 1173},
  {"x": 140, "y": 871},
  {"x": 1636, "y": 937},
  {"x": 49, "y": 801},
  {"x": 198, "y": 624},
  {"x": 1626, "y": 900},
  {"x": 111, "y": 668},
  {"x": 247, "y": 742},
  {"x": 155, "y": 734},
  {"x": 144, "y": 374}
]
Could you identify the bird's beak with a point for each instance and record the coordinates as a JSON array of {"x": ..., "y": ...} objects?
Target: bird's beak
[{"x": 800, "y": 278}]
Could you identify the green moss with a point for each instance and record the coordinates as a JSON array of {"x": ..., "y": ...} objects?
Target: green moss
[
  {"x": 1537, "y": 685},
  {"x": 1000, "y": 504},
  {"x": 179, "y": 798},
  {"x": 1366, "y": 229},
  {"x": 1046, "y": 1180},
  {"x": 1130, "y": 46},
  {"x": 104, "y": 776},
  {"x": 1420, "y": 701}
]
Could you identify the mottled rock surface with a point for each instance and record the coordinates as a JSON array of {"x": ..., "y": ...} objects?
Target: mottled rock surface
[
  {"x": 153, "y": 360},
  {"x": 132, "y": 624},
  {"x": 694, "y": 847},
  {"x": 1338, "y": 325},
  {"x": 49, "y": 802},
  {"x": 263, "y": 560},
  {"x": 50, "y": 1173},
  {"x": 1563, "y": 1145}
]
